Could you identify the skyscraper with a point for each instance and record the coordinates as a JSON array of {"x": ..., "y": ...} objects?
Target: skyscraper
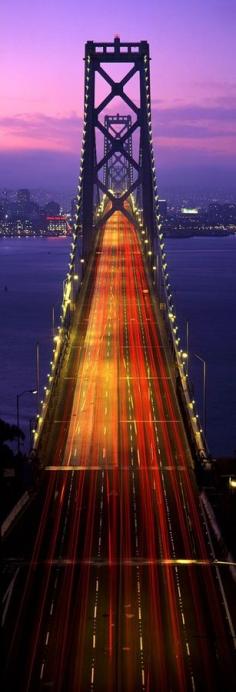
[{"x": 23, "y": 197}]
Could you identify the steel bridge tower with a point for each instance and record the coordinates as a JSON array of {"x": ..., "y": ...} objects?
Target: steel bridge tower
[
  {"x": 118, "y": 171},
  {"x": 93, "y": 185}
]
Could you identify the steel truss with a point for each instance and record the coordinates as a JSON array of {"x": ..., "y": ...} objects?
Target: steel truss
[
  {"x": 92, "y": 186},
  {"x": 117, "y": 171}
]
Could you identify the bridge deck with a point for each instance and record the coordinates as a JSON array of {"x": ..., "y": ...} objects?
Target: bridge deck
[{"x": 120, "y": 593}]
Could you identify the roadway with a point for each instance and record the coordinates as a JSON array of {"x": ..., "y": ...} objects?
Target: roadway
[{"x": 117, "y": 589}]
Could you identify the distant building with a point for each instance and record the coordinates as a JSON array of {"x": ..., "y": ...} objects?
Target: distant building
[
  {"x": 24, "y": 205},
  {"x": 73, "y": 208},
  {"x": 21, "y": 215},
  {"x": 163, "y": 208},
  {"x": 52, "y": 208},
  {"x": 215, "y": 213},
  {"x": 189, "y": 211},
  {"x": 23, "y": 197},
  {"x": 24, "y": 228},
  {"x": 3, "y": 204},
  {"x": 57, "y": 225},
  {"x": 222, "y": 214}
]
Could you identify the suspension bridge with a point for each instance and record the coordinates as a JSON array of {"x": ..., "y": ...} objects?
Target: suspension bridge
[{"x": 117, "y": 586}]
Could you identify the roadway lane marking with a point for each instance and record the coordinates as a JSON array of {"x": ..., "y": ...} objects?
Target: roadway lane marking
[
  {"x": 42, "y": 670},
  {"x": 97, "y": 580},
  {"x": 47, "y": 638},
  {"x": 143, "y": 377},
  {"x": 8, "y": 594},
  {"x": 151, "y": 420},
  {"x": 109, "y": 466},
  {"x": 62, "y": 421}
]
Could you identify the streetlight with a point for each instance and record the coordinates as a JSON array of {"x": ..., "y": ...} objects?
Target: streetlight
[
  {"x": 187, "y": 343},
  {"x": 184, "y": 356},
  {"x": 53, "y": 321},
  {"x": 18, "y": 396},
  {"x": 204, "y": 390},
  {"x": 31, "y": 427}
]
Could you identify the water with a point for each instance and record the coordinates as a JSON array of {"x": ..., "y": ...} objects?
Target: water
[
  {"x": 203, "y": 278},
  {"x": 33, "y": 270}
]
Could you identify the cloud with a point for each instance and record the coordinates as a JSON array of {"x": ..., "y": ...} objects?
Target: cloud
[
  {"x": 59, "y": 170},
  {"x": 196, "y": 121},
  {"x": 57, "y": 132},
  {"x": 210, "y": 124},
  {"x": 39, "y": 148},
  {"x": 216, "y": 86},
  {"x": 39, "y": 168}
]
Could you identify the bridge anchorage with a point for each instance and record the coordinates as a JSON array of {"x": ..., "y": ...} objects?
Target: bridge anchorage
[{"x": 117, "y": 173}]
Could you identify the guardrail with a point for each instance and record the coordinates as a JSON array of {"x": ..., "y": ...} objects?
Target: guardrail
[{"x": 14, "y": 512}]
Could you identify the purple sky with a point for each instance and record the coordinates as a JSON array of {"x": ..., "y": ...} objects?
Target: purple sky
[{"x": 193, "y": 78}]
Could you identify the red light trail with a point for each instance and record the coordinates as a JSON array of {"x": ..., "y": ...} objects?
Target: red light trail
[{"x": 122, "y": 586}]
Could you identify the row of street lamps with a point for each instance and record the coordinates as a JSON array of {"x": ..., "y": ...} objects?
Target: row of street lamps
[
  {"x": 34, "y": 391},
  {"x": 203, "y": 362},
  {"x": 204, "y": 391},
  {"x": 18, "y": 397}
]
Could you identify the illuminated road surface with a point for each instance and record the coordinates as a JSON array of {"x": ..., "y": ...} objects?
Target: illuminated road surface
[{"x": 121, "y": 593}]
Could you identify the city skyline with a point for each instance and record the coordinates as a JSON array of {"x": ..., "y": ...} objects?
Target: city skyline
[{"x": 193, "y": 88}]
